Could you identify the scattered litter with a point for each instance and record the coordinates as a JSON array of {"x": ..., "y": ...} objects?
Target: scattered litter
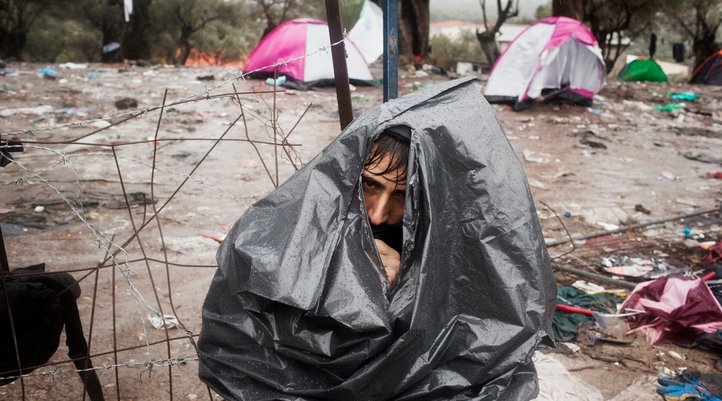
[
  {"x": 39, "y": 209},
  {"x": 595, "y": 111},
  {"x": 684, "y": 96},
  {"x": 670, "y": 176},
  {"x": 716, "y": 174},
  {"x": 216, "y": 234},
  {"x": 38, "y": 111},
  {"x": 572, "y": 347},
  {"x": 93, "y": 74},
  {"x": 589, "y": 288},
  {"x": 642, "y": 209},
  {"x": 629, "y": 270},
  {"x": 126, "y": 103},
  {"x": 206, "y": 77},
  {"x": 557, "y": 383},
  {"x": 637, "y": 267},
  {"x": 677, "y": 355},
  {"x": 686, "y": 201},
  {"x": 48, "y": 73},
  {"x": 567, "y": 213},
  {"x": 280, "y": 81},
  {"x": 608, "y": 226},
  {"x": 73, "y": 66},
  {"x": 163, "y": 322},
  {"x": 668, "y": 108},
  {"x": 110, "y": 47},
  {"x": 610, "y": 217},
  {"x": 536, "y": 157},
  {"x": 714, "y": 252},
  {"x": 687, "y": 232}
]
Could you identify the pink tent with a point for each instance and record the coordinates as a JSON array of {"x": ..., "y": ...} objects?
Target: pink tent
[
  {"x": 555, "y": 57},
  {"x": 300, "y": 50},
  {"x": 675, "y": 309}
]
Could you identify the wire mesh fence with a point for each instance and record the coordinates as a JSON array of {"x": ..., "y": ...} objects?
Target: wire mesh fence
[{"x": 132, "y": 205}]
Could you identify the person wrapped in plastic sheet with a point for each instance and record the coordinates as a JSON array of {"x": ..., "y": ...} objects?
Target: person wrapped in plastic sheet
[{"x": 301, "y": 307}]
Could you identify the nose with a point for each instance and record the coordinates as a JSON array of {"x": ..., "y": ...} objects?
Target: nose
[{"x": 377, "y": 209}]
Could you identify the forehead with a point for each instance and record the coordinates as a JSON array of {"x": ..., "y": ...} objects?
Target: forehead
[{"x": 382, "y": 169}]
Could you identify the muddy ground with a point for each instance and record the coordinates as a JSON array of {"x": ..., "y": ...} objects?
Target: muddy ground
[{"x": 619, "y": 162}]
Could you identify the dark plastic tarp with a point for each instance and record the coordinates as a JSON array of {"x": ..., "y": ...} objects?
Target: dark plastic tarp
[{"x": 299, "y": 308}]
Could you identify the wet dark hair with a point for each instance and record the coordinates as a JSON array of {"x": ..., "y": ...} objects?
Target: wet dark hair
[{"x": 395, "y": 143}]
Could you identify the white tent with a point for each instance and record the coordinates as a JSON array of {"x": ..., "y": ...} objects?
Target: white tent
[
  {"x": 555, "y": 57},
  {"x": 368, "y": 33}
]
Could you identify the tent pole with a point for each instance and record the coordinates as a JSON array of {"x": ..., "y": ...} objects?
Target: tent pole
[
  {"x": 340, "y": 71},
  {"x": 391, "y": 50}
]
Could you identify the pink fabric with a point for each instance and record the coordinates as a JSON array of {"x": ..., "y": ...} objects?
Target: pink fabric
[
  {"x": 566, "y": 28},
  {"x": 584, "y": 92},
  {"x": 287, "y": 41},
  {"x": 676, "y": 309}
]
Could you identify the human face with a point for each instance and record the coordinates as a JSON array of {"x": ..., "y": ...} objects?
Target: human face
[{"x": 384, "y": 193}]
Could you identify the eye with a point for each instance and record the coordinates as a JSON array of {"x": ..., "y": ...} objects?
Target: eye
[{"x": 369, "y": 184}]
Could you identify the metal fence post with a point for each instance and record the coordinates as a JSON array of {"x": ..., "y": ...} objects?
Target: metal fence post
[{"x": 391, "y": 50}]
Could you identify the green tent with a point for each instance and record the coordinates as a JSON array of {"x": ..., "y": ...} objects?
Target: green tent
[{"x": 643, "y": 70}]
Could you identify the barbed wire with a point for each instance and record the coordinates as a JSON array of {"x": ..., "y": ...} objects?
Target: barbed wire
[
  {"x": 200, "y": 96},
  {"x": 117, "y": 253}
]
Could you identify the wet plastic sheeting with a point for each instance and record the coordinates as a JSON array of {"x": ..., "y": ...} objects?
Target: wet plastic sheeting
[{"x": 299, "y": 308}]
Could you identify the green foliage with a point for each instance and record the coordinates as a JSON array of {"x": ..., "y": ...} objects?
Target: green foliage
[
  {"x": 225, "y": 41},
  {"x": 55, "y": 40},
  {"x": 446, "y": 52},
  {"x": 76, "y": 30}
]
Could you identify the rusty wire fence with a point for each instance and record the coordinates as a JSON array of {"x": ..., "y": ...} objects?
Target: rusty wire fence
[{"x": 136, "y": 208}]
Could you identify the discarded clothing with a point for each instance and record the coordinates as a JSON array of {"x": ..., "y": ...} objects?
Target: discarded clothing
[
  {"x": 566, "y": 325},
  {"x": 676, "y": 309},
  {"x": 299, "y": 308},
  {"x": 688, "y": 386}
]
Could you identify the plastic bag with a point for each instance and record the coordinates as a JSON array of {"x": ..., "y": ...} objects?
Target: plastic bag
[{"x": 299, "y": 308}]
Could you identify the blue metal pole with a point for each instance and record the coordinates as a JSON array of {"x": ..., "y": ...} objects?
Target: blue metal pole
[{"x": 391, "y": 50}]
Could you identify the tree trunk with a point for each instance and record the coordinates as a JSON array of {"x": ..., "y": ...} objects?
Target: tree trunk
[
  {"x": 414, "y": 25},
  {"x": 135, "y": 37},
  {"x": 568, "y": 8},
  {"x": 704, "y": 47},
  {"x": 184, "y": 44},
  {"x": 488, "y": 46},
  {"x": 12, "y": 43}
]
